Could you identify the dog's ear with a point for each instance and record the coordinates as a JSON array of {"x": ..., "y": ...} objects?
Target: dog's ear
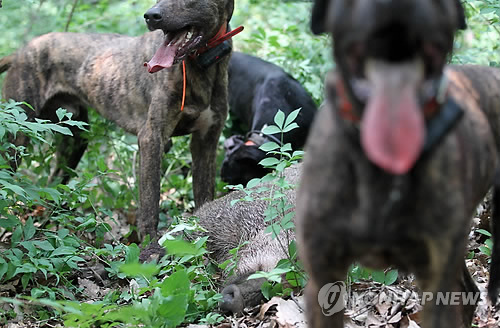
[
  {"x": 319, "y": 15},
  {"x": 462, "y": 24}
]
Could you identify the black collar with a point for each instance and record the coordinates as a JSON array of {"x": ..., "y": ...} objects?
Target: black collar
[{"x": 257, "y": 138}]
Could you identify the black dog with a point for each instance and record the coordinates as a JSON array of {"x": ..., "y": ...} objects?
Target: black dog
[
  {"x": 399, "y": 158},
  {"x": 257, "y": 89}
]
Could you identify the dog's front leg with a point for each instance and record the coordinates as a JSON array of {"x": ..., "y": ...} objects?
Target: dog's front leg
[
  {"x": 150, "y": 151},
  {"x": 151, "y": 138},
  {"x": 203, "y": 151},
  {"x": 448, "y": 290},
  {"x": 204, "y": 144}
]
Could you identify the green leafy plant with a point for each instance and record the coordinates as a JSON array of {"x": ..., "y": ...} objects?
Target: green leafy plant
[
  {"x": 47, "y": 248},
  {"x": 229, "y": 265},
  {"x": 279, "y": 32},
  {"x": 488, "y": 243},
  {"x": 358, "y": 273},
  {"x": 279, "y": 214},
  {"x": 56, "y": 252},
  {"x": 479, "y": 44}
]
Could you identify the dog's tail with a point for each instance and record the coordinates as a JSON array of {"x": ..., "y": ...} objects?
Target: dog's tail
[
  {"x": 5, "y": 63},
  {"x": 494, "y": 284}
]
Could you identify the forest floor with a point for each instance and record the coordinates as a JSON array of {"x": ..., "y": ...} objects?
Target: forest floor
[{"x": 369, "y": 304}]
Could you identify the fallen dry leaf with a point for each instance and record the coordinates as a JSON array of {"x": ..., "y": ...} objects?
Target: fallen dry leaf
[{"x": 289, "y": 313}]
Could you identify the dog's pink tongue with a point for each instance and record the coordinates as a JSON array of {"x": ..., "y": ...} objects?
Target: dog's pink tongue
[
  {"x": 393, "y": 127},
  {"x": 163, "y": 58}
]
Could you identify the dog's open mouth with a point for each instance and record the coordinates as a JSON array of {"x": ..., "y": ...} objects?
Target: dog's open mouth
[
  {"x": 431, "y": 58},
  {"x": 393, "y": 92},
  {"x": 176, "y": 46}
]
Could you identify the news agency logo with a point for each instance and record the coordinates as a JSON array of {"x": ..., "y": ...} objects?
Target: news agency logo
[{"x": 332, "y": 298}]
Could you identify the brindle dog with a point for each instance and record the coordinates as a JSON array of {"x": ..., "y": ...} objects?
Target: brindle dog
[
  {"x": 400, "y": 157},
  {"x": 105, "y": 71}
]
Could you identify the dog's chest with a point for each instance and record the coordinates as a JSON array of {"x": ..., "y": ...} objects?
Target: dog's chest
[
  {"x": 372, "y": 212},
  {"x": 195, "y": 120},
  {"x": 128, "y": 96}
]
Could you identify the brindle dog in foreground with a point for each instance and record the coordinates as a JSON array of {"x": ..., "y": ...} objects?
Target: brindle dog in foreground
[
  {"x": 404, "y": 151},
  {"x": 105, "y": 71}
]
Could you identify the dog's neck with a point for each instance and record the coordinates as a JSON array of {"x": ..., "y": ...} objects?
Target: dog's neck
[
  {"x": 213, "y": 52},
  {"x": 349, "y": 112},
  {"x": 221, "y": 36},
  {"x": 441, "y": 112}
]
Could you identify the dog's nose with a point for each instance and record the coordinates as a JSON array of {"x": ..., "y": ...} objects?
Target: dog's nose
[{"x": 153, "y": 18}]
